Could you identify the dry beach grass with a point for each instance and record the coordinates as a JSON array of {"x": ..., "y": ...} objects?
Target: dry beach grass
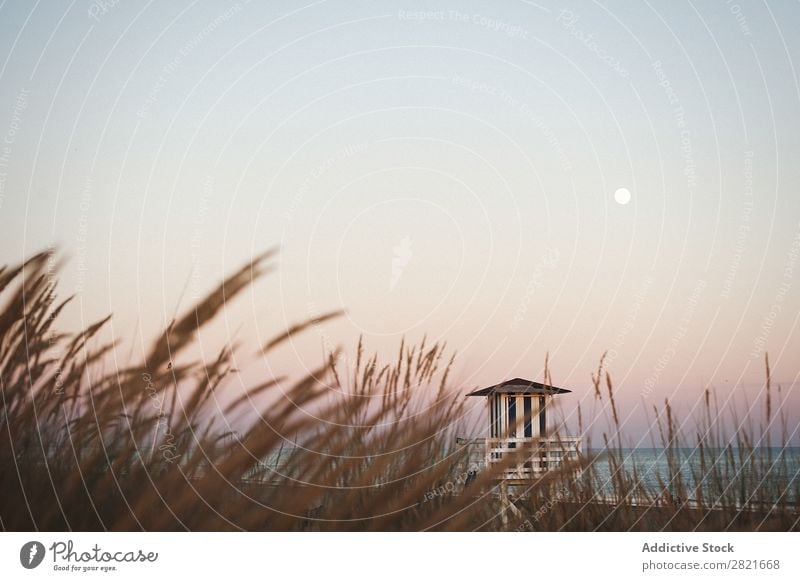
[{"x": 82, "y": 448}]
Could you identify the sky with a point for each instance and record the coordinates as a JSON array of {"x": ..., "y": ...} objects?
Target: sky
[{"x": 515, "y": 179}]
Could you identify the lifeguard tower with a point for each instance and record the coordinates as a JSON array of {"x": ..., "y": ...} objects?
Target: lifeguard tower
[{"x": 518, "y": 425}]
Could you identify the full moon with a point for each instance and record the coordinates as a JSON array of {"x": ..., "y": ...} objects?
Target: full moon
[{"x": 622, "y": 196}]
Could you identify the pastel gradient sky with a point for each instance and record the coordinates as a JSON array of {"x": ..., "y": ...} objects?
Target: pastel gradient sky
[{"x": 447, "y": 168}]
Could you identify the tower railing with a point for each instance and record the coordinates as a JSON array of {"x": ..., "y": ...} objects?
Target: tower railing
[
  {"x": 531, "y": 456},
  {"x": 535, "y": 454}
]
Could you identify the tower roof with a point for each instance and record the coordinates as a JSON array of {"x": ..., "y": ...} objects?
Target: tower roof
[{"x": 519, "y": 385}]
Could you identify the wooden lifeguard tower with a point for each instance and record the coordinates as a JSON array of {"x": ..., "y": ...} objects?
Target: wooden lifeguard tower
[{"x": 518, "y": 425}]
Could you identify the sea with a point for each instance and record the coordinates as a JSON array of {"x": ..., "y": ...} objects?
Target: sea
[{"x": 756, "y": 473}]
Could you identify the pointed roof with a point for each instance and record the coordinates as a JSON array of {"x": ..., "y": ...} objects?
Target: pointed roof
[{"x": 519, "y": 385}]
